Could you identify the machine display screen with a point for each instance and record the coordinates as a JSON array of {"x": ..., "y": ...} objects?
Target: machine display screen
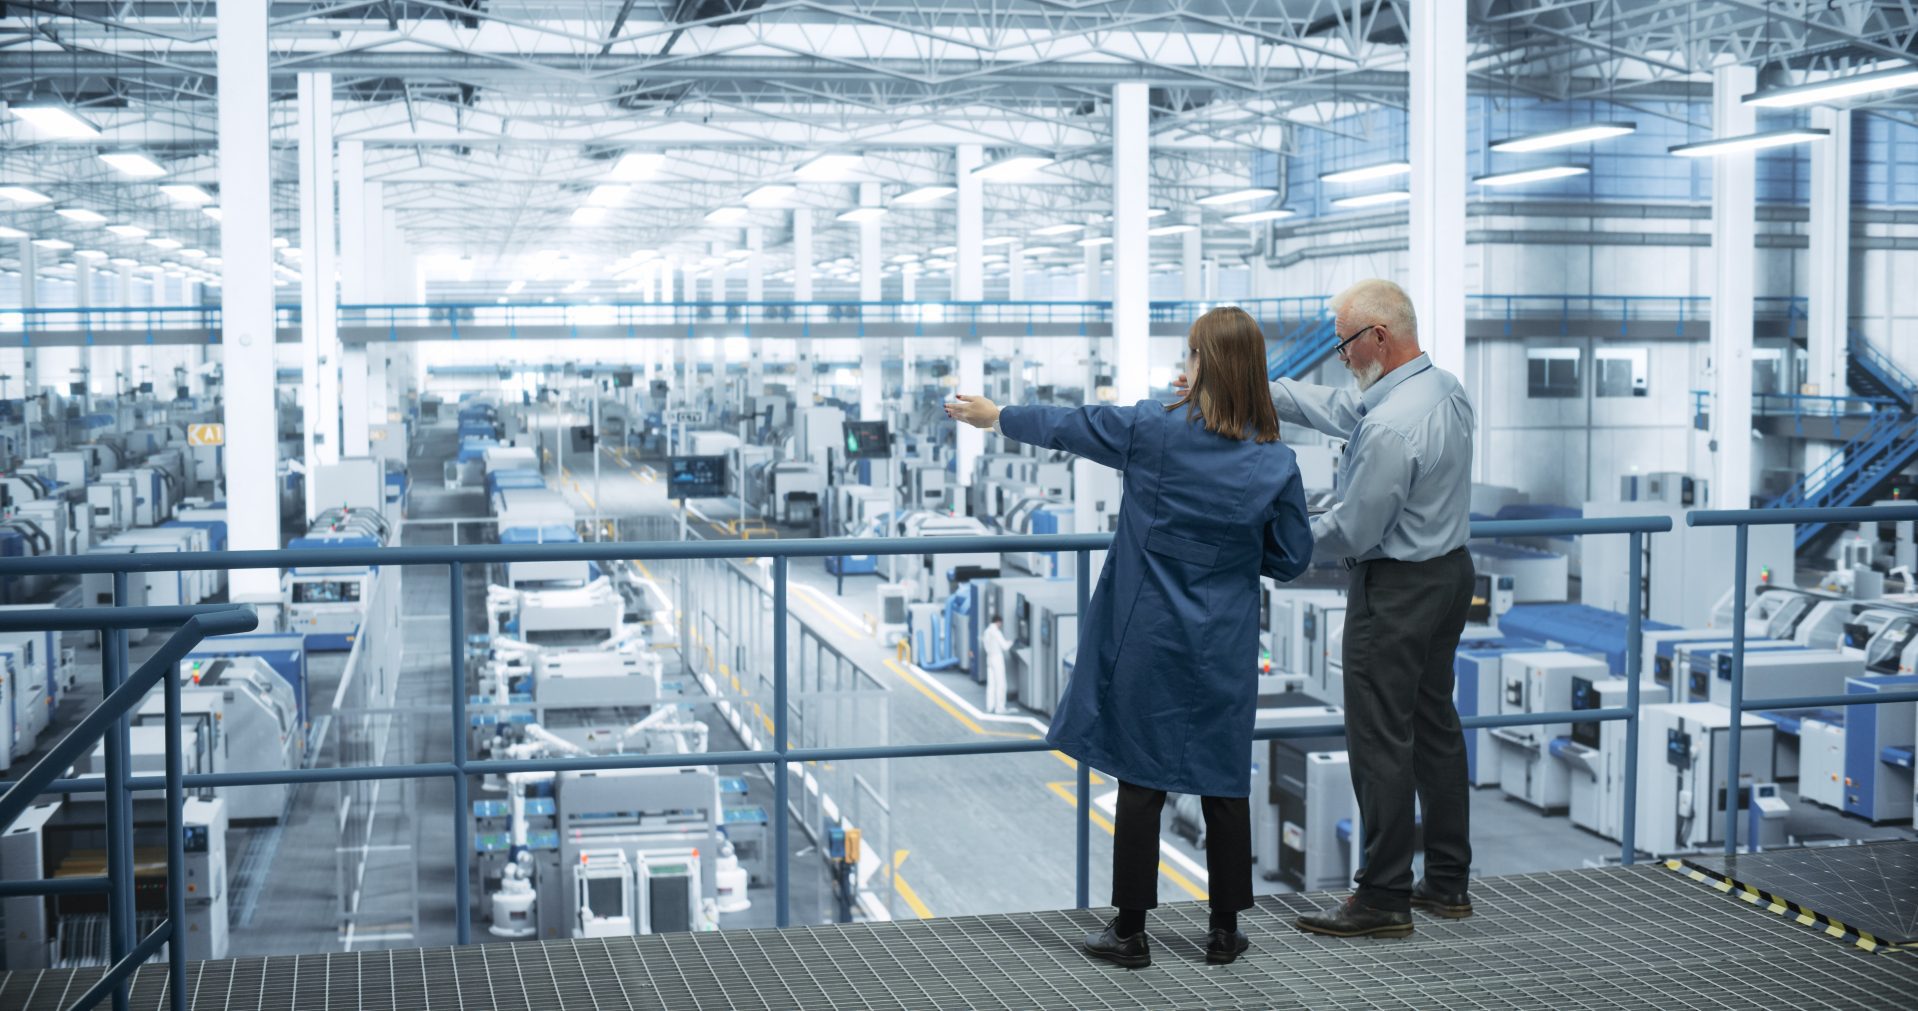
[
  {"x": 696, "y": 477},
  {"x": 1887, "y": 652},
  {"x": 867, "y": 440},
  {"x": 1584, "y": 696},
  {"x": 328, "y": 592},
  {"x": 1678, "y": 748}
]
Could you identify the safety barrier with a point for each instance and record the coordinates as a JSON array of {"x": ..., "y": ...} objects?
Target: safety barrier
[{"x": 781, "y": 755}]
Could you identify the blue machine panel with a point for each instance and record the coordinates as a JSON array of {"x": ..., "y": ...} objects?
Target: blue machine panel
[
  {"x": 1577, "y": 626},
  {"x": 286, "y": 654},
  {"x": 1876, "y": 790}
]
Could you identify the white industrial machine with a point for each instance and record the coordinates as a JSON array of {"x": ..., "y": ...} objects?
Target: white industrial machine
[
  {"x": 1594, "y": 754},
  {"x": 1301, "y": 795},
  {"x": 327, "y": 603},
  {"x": 574, "y": 616},
  {"x": 251, "y": 718},
  {"x": 1683, "y": 753},
  {"x": 1783, "y": 673},
  {"x": 931, "y": 574},
  {"x": 603, "y": 882},
  {"x": 1821, "y": 758},
  {"x": 669, "y": 887},
  {"x": 1539, "y": 682}
]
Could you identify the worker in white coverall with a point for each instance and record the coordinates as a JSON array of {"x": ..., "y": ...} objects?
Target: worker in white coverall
[{"x": 996, "y": 645}]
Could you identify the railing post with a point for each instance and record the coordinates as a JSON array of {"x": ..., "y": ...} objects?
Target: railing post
[
  {"x": 462, "y": 847},
  {"x": 175, "y": 848},
  {"x": 1740, "y": 534},
  {"x": 1082, "y": 810},
  {"x": 1634, "y": 646},
  {"x": 120, "y": 918},
  {"x": 782, "y": 890}
]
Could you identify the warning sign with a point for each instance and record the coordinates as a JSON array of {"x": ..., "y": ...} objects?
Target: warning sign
[{"x": 206, "y": 435}]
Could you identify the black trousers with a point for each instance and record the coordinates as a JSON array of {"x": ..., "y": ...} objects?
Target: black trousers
[
  {"x": 1402, "y": 626},
  {"x": 1135, "y": 849}
]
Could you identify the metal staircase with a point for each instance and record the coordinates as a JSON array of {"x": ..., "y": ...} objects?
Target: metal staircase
[
  {"x": 1860, "y": 469},
  {"x": 1297, "y": 353}
]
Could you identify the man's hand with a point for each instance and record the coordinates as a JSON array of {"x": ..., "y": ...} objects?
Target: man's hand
[
  {"x": 1182, "y": 385},
  {"x": 975, "y": 411}
]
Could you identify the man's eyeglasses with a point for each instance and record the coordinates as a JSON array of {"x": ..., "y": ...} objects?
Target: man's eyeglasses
[{"x": 1340, "y": 348}]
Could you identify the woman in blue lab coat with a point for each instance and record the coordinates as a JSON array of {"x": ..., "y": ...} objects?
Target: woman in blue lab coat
[{"x": 1165, "y": 683}]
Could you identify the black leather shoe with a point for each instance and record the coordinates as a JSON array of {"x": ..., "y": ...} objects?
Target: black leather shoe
[
  {"x": 1225, "y": 946},
  {"x": 1131, "y": 952},
  {"x": 1450, "y": 905},
  {"x": 1353, "y": 919}
]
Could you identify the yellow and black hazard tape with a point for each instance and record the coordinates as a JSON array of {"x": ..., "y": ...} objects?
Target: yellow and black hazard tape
[{"x": 1785, "y": 907}]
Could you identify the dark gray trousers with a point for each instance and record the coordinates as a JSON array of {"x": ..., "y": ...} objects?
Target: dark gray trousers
[{"x": 1402, "y": 626}]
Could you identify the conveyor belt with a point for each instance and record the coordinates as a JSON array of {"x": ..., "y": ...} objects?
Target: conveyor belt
[{"x": 1619, "y": 937}]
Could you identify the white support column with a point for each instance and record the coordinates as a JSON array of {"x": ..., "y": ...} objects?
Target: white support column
[
  {"x": 1131, "y": 247},
  {"x": 665, "y": 280},
  {"x": 804, "y": 381},
  {"x": 355, "y": 228},
  {"x": 83, "y": 283},
  {"x": 246, "y": 278},
  {"x": 872, "y": 350},
  {"x": 1094, "y": 262},
  {"x": 319, "y": 306},
  {"x": 755, "y": 264},
  {"x": 1016, "y": 273},
  {"x": 1828, "y": 264},
  {"x": 1733, "y": 240},
  {"x": 1194, "y": 261},
  {"x": 29, "y": 273},
  {"x": 908, "y": 285},
  {"x": 870, "y": 263},
  {"x": 969, "y": 285},
  {"x": 1436, "y": 122},
  {"x": 1212, "y": 279}
]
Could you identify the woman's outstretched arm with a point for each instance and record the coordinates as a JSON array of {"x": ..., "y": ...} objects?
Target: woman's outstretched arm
[{"x": 1101, "y": 433}]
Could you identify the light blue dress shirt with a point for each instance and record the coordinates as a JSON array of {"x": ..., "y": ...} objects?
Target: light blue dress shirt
[{"x": 1405, "y": 481}]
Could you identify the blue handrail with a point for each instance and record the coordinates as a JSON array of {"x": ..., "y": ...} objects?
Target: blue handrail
[{"x": 781, "y": 754}]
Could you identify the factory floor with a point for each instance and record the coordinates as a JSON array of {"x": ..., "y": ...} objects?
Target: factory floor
[{"x": 972, "y": 836}]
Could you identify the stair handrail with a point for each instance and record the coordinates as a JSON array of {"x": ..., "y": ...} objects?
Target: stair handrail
[{"x": 1884, "y": 368}]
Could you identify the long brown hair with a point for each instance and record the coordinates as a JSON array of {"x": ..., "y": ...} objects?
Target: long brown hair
[{"x": 1231, "y": 391}]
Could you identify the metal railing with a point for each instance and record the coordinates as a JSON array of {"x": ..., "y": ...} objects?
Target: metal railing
[
  {"x": 781, "y": 755},
  {"x": 1627, "y": 310},
  {"x": 109, "y": 720}
]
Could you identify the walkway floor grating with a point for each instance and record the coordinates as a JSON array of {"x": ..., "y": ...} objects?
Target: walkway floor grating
[
  {"x": 1610, "y": 938},
  {"x": 1867, "y": 891}
]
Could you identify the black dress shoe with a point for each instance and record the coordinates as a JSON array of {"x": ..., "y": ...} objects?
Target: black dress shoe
[
  {"x": 1131, "y": 952},
  {"x": 1225, "y": 946},
  {"x": 1450, "y": 905},
  {"x": 1353, "y": 919}
]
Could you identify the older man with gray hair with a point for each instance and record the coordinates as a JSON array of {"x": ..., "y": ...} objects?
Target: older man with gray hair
[{"x": 1399, "y": 525}]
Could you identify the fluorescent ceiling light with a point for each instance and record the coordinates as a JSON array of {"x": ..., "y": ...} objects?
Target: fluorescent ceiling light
[
  {"x": 185, "y": 193},
  {"x": 608, "y": 195},
  {"x": 1749, "y": 142},
  {"x": 863, "y": 214},
  {"x": 213, "y": 212},
  {"x": 1834, "y": 89},
  {"x": 1039, "y": 251},
  {"x": 54, "y": 121},
  {"x": 134, "y": 164},
  {"x": 635, "y": 166},
  {"x": 279, "y": 242},
  {"x": 22, "y": 195},
  {"x": 82, "y": 215},
  {"x": 53, "y": 243},
  {"x": 516, "y": 287},
  {"x": 589, "y": 216},
  {"x": 949, "y": 250},
  {"x": 998, "y": 240},
  {"x": 906, "y": 258},
  {"x": 1012, "y": 168},
  {"x": 575, "y": 286},
  {"x": 193, "y": 254},
  {"x": 770, "y": 194},
  {"x": 828, "y": 167},
  {"x": 124, "y": 261},
  {"x": 726, "y": 215},
  {"x": 11, "y": 233},
  {"x": 292, "y": 252},
  {"x": 1058, "y": 229},
  {"x": 1568, "y": 137},
  {"x": 1243, "y": 196},
  {"x": 1382, "y": 170},
  {"x": 1531, "y": 175},
  {"x": 1373, "y": 199},
  {"x": 1171, "y": 230},
  {"x": 128, "y": 231},
  {"x": 1254, "y": 217},
  {"x": 164, "y": 243},
  {"x": 925, "y": 195},
  {"x": 90, "y": 254},
  {"x": 1097, "y": 240}
]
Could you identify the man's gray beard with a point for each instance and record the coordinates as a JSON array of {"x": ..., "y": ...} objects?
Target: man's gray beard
[{"x": 1369, "y": 374}]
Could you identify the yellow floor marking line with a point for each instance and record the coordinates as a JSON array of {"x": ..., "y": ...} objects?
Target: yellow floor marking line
[
  {"x": 919, "y": 909},
  {"x": 1063, "y": 788}
]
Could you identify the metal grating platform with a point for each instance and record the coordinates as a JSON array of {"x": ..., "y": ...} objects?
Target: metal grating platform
[
  {"x": 1870, "y": 890},
  {"x": 1620, "y": 937}
]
